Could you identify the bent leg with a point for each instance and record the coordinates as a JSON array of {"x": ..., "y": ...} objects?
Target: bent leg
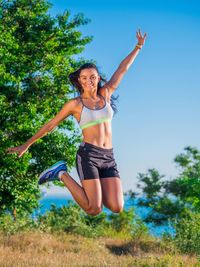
[
  {"x": 112, "y": 193},
  {"x": 92, "y": 188},
  {"x": 88, "y": 196}
]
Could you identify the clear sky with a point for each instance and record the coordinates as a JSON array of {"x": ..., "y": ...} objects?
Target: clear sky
[{"x": 158, "y": 108}]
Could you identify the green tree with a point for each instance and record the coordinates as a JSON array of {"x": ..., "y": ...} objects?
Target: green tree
[
  {"x": 162, "y": 206},
  {"x": 170, "y": 199},
  {"x": 186, "y": 186},
  {"x": 36, "y": 55}
]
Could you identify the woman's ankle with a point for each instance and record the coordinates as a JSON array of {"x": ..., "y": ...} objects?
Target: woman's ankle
[{"x": 60, "y": 175}]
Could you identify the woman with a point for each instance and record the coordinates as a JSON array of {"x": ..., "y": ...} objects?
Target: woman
[{"x": 100, "y": 180}]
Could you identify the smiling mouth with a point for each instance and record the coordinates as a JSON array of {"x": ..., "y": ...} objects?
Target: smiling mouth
[{"x": 90, "y": 85}]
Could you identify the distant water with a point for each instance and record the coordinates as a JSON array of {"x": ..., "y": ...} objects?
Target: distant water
[{"x": 59, "y": 201}]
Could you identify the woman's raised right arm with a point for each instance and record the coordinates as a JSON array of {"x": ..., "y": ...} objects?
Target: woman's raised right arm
[{"x": 48, "y": 127}]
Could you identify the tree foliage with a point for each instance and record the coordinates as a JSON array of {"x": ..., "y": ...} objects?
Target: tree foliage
[
  {"x": 171, "y": 199},
  {"x": 36, "y": 55},
  {"x": 186, "y": 186}
]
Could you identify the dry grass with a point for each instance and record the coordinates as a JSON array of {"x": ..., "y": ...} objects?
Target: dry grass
[{"x": 46, "y": 250}]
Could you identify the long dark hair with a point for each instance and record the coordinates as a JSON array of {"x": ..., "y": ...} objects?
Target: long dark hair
[{"x": 73, "y": 77}]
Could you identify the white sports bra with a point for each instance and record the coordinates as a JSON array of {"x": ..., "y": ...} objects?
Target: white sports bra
[{"x": 90, "y": 117}]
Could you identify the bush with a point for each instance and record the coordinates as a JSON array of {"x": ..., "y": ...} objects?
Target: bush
[
  {"x": 129, "y": 222},
  {"x": 71, "y": 219},
  {"x": 187, "y": 237},
  {"x": 10, "y": 226}
]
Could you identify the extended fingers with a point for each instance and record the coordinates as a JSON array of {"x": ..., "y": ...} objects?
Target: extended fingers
[
  {"x": 11, "y": 150},
  {"x": 139, "y": 34}
]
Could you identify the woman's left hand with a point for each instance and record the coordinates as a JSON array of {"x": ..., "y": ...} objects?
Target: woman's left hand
[{"x": 141, "y": 38}]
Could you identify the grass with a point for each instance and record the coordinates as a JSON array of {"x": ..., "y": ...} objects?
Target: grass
[{"x": 59, "y": 250}]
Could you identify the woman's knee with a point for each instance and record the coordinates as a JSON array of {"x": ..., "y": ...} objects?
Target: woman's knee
[
  {"x": 94, "y": 210},
  {"x": 117, "y": 208}
]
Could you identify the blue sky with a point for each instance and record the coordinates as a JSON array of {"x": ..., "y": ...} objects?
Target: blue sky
[{"x": 158, "y": 108}]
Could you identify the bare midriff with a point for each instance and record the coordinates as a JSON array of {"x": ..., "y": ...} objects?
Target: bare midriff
[{"x": 99, "y": 135}]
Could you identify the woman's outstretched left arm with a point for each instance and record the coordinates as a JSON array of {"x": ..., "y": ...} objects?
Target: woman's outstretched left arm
[{"x": 116, "y": 78}]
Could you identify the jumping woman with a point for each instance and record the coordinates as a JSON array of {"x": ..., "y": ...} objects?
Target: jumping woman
[{"x": 96, "y": 166}]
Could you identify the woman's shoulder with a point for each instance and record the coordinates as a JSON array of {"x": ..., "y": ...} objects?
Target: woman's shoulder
[
  {"x": 74, "y": 102},
  {"x": 75, "y": 106}
]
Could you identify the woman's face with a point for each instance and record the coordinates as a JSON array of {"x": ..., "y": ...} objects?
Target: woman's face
[{"x": 89, "y": 79}]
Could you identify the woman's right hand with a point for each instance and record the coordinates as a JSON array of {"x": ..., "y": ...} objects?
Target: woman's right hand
[{"x": 18, "y": 149}]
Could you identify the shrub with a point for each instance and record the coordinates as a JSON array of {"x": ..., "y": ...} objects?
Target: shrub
[
  {"x": 187, "y": 237},
  {"x": 128, "y": 221},
  {"x": 22, "y": 223},
  {"x": 71, "y": 218}
]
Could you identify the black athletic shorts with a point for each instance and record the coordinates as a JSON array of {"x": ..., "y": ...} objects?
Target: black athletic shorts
[{"x": 94, "y": 162}]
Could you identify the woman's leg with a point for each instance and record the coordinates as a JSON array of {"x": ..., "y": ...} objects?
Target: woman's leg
[
  {"x": 88, "y": 196},
  {"x": 112, "y": 193}
]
